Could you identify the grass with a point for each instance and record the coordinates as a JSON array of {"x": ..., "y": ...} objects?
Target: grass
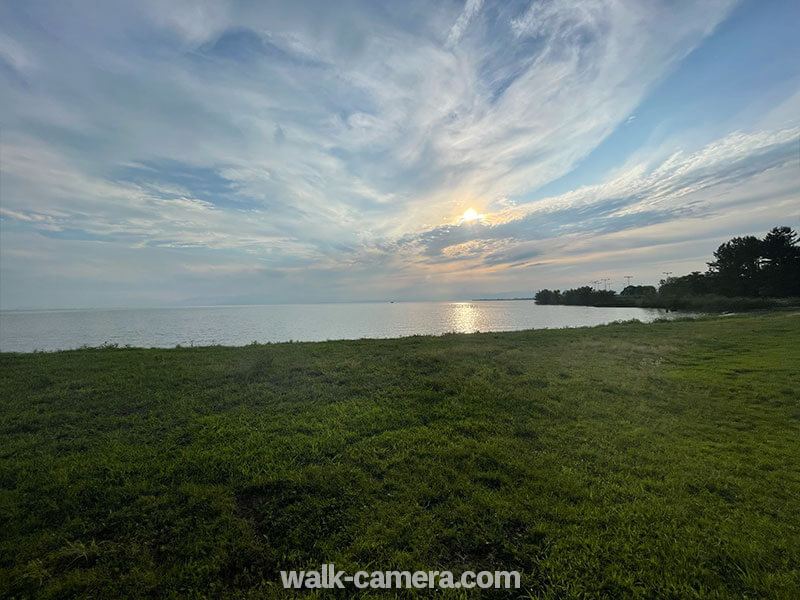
[
  {"x": 704, "y": 303},
  {"x": 623, "y": 461},
  {"x": 710, "y": 303}
]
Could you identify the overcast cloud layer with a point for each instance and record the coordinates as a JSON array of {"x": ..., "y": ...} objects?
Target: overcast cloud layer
[{"x": 222, "y": 152}]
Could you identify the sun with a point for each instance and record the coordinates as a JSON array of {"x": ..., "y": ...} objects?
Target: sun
[{"x": 470, "y": 215}]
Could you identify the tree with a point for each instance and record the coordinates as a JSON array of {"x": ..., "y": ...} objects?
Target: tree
[
  {"x": 781, "y": 263},
  {"x": 693, "y": 284},
  {"x": 748, "y": 266},
  {"x": 737, "y": 265},
  {"x": 638, "y": 290},
  {"x": 548, "y": 297},
  {"x": 744, "y": 266}
]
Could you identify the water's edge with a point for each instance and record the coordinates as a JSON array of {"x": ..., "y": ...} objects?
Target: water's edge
[{"x": 53, "y": 330}]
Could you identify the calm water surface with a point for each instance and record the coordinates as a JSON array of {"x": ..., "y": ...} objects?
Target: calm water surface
[{"x": 25, "y": 331}]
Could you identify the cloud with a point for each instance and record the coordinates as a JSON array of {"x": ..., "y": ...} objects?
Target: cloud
[
  {"x": 339, "y": 140},
  {"x": 405, "y": 117},
  {"x": 684, "y": 186},
  {"x": 14, "y": 55},
  {"x": 470, "y": 8}
]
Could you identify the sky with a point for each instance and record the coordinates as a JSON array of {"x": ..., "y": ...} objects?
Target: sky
[{"x": 219, "y": 152}]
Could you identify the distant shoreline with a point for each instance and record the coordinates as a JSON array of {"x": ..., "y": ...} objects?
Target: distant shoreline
[{"x": 498, "y": 299}]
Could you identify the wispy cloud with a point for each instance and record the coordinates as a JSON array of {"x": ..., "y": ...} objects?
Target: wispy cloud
[
  {"x": 347, "y": 140},
  {"x": 716, "y": 178},
  {"x": 470, "y": 8}
]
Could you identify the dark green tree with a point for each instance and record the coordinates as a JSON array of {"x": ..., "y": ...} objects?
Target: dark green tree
[
  {"x": 693, "y": 284},
  {"x": 736, "y": 267},
  {"x": 780, "y": 263},
  {"x": 638, "y": 290},
  {"x": 548, "y": 297}
]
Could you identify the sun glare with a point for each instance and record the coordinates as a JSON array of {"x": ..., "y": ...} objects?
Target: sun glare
[{"x": 470, "y": 215}]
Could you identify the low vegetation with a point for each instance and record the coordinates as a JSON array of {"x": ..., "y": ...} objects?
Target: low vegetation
[
  {"x": 707, "y": 303},
  {"x": 623, "y": 461}
]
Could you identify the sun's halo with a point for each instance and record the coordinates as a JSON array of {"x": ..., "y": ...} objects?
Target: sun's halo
[{"x": 470, "y": 215}]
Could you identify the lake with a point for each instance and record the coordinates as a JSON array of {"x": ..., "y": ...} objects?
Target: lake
[{"x": 29, "y": 330}]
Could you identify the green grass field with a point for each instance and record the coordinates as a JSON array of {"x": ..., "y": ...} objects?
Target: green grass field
[{"x": 624, "y": 461}]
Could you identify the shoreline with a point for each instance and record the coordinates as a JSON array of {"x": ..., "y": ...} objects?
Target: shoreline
[{"x": 679, "y": 315}]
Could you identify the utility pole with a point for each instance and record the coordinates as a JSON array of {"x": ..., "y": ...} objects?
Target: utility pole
[
  {"x": 628, "y": 280},
  {"x": 605, "y": 281},
  {"x": 667, "y": 273}
]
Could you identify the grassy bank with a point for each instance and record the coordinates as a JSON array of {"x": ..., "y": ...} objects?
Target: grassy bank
[
  {"x": 707, "y": 303},
  {"x": 627, "y": 460},
  {"x": 704, "y": 303}
]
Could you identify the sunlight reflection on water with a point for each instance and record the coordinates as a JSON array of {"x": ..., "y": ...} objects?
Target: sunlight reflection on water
[{"x": 464, "y": 317}]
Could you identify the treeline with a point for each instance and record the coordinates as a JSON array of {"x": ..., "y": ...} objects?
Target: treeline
[
  {"x": 582, "y": 296},
  {"x": 746, "y": 273}
]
